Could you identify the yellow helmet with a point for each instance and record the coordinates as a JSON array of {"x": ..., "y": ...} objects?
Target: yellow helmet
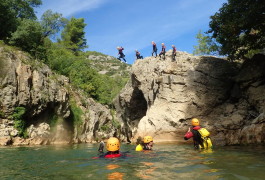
[
  {"x": 113, "y": 144},
  {"x": 148, "y": 139},
  {"x": 195, "y": 122}
]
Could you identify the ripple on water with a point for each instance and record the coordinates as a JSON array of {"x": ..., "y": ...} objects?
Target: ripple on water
[{"x": 167, "y": 161}]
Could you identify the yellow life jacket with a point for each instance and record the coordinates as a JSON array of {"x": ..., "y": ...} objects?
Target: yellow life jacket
[
  {"x": 139, "y": 147},
  {"x": 207, "y": 143}
]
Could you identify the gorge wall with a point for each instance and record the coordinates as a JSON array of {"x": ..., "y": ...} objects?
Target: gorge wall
[
  {"x": 163, "y": 96},
  {"x": 55, "y": 113}
]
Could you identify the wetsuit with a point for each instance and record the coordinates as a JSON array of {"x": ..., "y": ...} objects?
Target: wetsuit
[
  {"x": 154, "y": 49},
  {"x": 138, "y": 56},
  {"x": 101, "y": 146},
  {"x": 121, "y": 54},
  {"x": 146, "y": 147},
  {"x": 163, "y": 51},
  {"x": 174, "y": 53},
  {"x": 197, "y": 140}
]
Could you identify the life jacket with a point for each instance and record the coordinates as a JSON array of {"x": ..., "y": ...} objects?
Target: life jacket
[
  {"x": 207, "y": 143},
  {"x": 112, "y": 155},
  {"x": 164, "y": 48},
  {"x": 120, "y": 50},
  {"x": 154, "y": 47},
  {"x": 139, "y": 147}
]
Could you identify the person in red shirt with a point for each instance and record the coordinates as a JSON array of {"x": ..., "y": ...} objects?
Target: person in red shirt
[{"x": 193, "y": 133}]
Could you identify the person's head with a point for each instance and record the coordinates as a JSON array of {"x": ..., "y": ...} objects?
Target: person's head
[
  {"x": 113, "y": 144},
  {"x": 118, "y": 47},
  {"x": 173, "y": 46},
  {"x": 195, "y": 122},
  {"x": 148, "y": 139},
  {"x": 136, "y": 50},
  {"x": 163, "y": 44},
  {"x": 153, "y": 42},
  {"x": 148, "y": 142}
]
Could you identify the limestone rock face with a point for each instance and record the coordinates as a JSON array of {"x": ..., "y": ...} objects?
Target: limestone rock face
[
  {"x": 97, "y": 120},
  {"x": 45, "y": 96},
  {"x": 164, "y": 95}
]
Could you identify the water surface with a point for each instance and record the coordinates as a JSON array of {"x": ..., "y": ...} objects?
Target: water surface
[{"x": 167, "y": 161}]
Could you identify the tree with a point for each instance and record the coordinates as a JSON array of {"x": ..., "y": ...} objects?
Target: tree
[
  {"x": 239, "y": 27},
  {"x": 12, "y": 12},
  {"x": 52, "y": 23},
  {"x": 206, "y": 45},
  {"x": 73, "y": 36},
  {"x": 28, "y": 36}
]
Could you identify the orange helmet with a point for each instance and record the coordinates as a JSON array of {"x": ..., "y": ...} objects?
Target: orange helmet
[
  {"x": 195, "y": 122},
  {"x": 113, "y": 144}
]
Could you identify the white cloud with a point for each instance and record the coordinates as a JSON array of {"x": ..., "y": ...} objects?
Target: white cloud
[{"x": 70, "y": 7}]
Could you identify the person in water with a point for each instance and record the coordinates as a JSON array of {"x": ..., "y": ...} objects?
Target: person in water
[
  {"x": 113, "y": 148},
  {"x": 200, "y": 135},
  {"x": 138, "y": 55},
  {"x": 146, "y": 145},
  {"x": 174, "y": 52},
  {"x": 101, "y": 146},
  {"x": 154, "y": 48},
  {"x": 120, "y": 53},
  {"x": 163, "y": 51}
]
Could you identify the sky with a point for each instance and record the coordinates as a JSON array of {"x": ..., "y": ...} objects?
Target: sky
[{"x": 134, "y": 24}]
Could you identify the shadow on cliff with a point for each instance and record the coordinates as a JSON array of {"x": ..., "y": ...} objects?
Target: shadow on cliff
[{"x": 222, "y": 96}]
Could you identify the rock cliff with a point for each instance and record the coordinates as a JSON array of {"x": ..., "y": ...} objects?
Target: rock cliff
[
  {"x": 55, "y": 113},
  {"x": 163, "y": 96}
]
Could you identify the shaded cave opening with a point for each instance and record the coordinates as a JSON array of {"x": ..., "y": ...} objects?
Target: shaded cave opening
[{"x": 137, "y": 107}]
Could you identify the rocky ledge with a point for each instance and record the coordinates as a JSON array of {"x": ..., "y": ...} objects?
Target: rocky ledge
[{"x": 164, "y": 95}]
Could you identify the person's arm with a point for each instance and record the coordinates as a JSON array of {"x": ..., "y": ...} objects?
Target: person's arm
[{"x": 188, "y": 135}]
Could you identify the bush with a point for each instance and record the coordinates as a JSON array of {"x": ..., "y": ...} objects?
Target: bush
[
  {"x": 20, "y": 123},
  {"x": 76, "y": 114}
]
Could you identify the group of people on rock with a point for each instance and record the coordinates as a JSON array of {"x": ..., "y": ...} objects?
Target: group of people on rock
[
  {"x": 154, "y": 52},
  {"x": 200, "y": 137}
]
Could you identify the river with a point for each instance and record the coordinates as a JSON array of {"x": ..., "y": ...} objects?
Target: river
[{"x": 167, "y": 161}]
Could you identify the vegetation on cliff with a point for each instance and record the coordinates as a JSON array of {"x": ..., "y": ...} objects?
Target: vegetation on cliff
[
  {"x": 20, "y": 28},
  {"x": 236, "y": 30}
]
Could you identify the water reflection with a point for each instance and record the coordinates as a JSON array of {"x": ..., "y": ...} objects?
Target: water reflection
[
  {"x": 146, "y": 170},
  {"x": 114, "y": 175}
]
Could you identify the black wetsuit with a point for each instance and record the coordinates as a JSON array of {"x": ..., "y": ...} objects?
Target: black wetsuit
[
  {"x": 163, "y": 52},
  {"x": 154, "y": 49},
  {"x": 138, "y": 56},
  {"x": 197, "y": 140}
]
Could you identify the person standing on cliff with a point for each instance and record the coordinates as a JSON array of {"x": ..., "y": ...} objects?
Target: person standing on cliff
[
  {"x": 174, "y": 52},
  {"x": 200, "y": 135},
  {"x": 120, "y": 53},
  {"x": 154, "y": 48},
  {"x": 163, "y": 51}
]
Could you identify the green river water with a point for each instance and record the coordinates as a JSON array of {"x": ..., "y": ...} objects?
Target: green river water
[{"x": 167, "y": 161}]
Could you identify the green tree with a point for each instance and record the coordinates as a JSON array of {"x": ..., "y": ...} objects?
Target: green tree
[
  {"x": 73, "y": 35},
  {"x": 12, "y": 11},
  {"x": 52, "y": 23},
  {"x": 205, "y": 45},
  {"x": 28, "y": 36},
  {"x": 239, "y": 27}
]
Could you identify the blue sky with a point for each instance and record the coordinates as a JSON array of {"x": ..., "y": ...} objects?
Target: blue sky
[{"x": 133, "y": 24}]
